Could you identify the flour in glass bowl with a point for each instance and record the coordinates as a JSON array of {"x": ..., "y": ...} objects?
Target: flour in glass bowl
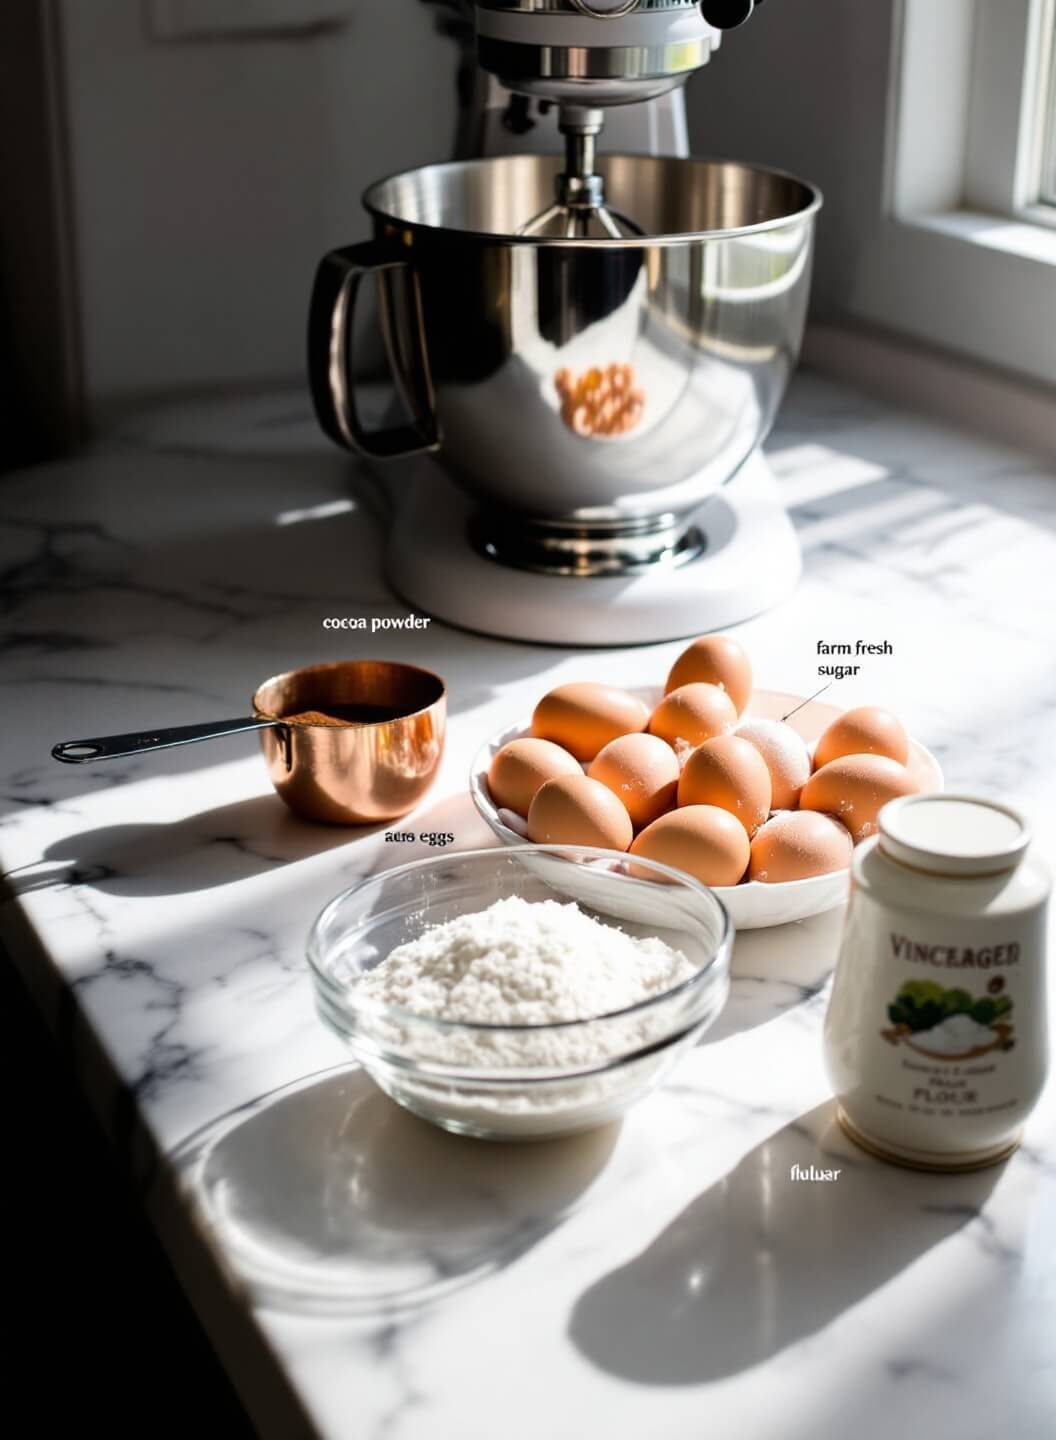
[
  {"x": 525, "y": 963},
  {"x": 531, "y": 964}
]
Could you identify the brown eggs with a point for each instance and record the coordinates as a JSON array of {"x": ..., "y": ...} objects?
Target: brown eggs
[
  {"x": 786, "y": 756},
  {"x": 696, "y": 783},
  {"x": 522, "y": 767},
  {"x": 867, "y": 730},
  {"x": 584, "y": 717},
  {"x": 642, "y": 772},
  {"x": 729, "y": 773},
  {"x": 855, "y": 788},
  {"x": 921, "y": 769},
  {"x": 797, "y": 845},
  {"x": 692, "y": 714},
  {"x": 715, "y": 660},
  {"x": 576, "y": 810},
  {"x": 703, "y": 840}
]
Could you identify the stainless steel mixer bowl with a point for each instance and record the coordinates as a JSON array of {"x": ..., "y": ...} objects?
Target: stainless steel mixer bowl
[{"x": 707, "y": 306}]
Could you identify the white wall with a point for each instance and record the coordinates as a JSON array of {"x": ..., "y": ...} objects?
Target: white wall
[{"x": 211, "y": 171}]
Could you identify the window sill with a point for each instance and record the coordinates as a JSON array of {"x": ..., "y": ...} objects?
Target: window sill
[
  {"x": 992, "y": 232},
  {"x": 971, "y": 283}
]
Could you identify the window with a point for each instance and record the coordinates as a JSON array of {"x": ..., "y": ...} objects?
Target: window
[
  {"x": 1010, "y": 158},
  {"x": 976, "y": 122},
  {"x": 964, "y": 253}
]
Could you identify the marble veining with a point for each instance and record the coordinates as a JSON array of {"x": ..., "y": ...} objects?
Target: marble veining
[{"x": 665, "y": 1276}]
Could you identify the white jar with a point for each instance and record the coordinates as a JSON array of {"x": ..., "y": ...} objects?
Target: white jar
[{"x": 936, "y": 1038}]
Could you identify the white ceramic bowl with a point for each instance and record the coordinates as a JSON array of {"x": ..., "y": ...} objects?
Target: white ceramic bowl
[{"x": 753, "y": 904}]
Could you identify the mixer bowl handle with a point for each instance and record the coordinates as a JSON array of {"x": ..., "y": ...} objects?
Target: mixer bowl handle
[{"x": 330, "y": 351}]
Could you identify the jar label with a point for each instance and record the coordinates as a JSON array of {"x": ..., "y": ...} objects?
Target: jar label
[
  {"x": 935, "y": 1036},
  {"x": 954, "y": 957},
  {"x": 952, "y": 1024}
]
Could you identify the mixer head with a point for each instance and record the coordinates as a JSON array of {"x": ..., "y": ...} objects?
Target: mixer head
[
  {"x": 585, "y": 55},
  {"x": 600, "y": 52}
]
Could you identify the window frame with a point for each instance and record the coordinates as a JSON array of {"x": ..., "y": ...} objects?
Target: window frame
[
  {"x": 1008, "y": 108},
  {"x": 1043, "y": 197}
]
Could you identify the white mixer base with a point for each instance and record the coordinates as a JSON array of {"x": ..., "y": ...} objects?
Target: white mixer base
[{"x": 752, "y": 563}]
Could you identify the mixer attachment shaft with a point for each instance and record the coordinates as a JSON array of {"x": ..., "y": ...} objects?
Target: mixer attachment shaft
[{"x": 579, "y": 211}]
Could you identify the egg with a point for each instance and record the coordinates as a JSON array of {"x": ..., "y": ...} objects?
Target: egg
[
  {"x": 583, "y": 717},
  {"x": 865, "y": 731},
  {"x": 692, "y": 714},
  {"x": 521, "y": 767},
  {"x": 642, "y": 772},
  {"x": 730, "y": 773},
  {"x": 786, "y": 756},
  {"x": 855, "y": 788},
  {"x": 703, "y": 840},
  {"x": 797, "y": 845},
  {"x": 922, "y": 769},
  {"x": 715, "y": 660},
  {"x": 576, "y": 810}
]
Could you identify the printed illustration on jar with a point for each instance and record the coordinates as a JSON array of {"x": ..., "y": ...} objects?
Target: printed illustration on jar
[{"x": 950, "y": 1024}]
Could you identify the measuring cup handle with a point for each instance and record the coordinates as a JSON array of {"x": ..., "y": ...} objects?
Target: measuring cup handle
[
  {"x": 330, "y": 352},
  {"x": 116, "y": 747}
]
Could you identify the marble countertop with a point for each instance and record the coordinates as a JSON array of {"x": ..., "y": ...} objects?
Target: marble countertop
[{"x": 363, "y": 1275}]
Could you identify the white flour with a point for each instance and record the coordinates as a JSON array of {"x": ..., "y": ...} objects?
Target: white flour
[{"x": 524, "y": 963}]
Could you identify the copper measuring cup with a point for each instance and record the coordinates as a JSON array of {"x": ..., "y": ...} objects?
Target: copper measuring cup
[{"x": 370, "y": 756}]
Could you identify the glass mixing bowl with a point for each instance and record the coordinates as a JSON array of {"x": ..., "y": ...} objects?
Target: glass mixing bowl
[{"x": 520, "y": 1082}]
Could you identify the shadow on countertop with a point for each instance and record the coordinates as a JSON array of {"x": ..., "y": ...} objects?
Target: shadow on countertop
[
  {"x": 199, "y": 852},
  {"x": 331, "y": 1199},
  {"x": 221, "y": 846},
  {"x": 760, "y": 1261}
]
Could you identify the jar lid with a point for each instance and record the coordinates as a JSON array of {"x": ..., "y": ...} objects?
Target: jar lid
[{"x": 953, "y": 834}]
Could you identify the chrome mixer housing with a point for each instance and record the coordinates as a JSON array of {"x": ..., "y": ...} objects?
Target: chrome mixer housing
[
  {"x": 593, "y": 52},
  {"x": 588, "y": 55}
]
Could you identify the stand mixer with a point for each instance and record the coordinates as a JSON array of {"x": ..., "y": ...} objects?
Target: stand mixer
[
  {"x": 587, "y": 56},
  {"x": 592, "y": 346}
]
